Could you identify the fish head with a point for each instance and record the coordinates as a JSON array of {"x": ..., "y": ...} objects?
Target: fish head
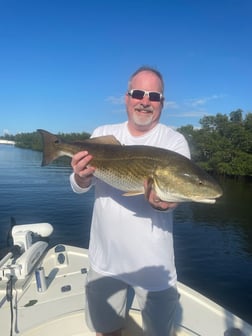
[{"x": 182, "y": 184}]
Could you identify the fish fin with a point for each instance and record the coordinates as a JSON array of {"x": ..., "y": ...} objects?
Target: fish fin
[
  {"x": 105, "y": 139},
  {"x": 133, "y": 193},
  {"x": 146, "y": 193},
  {"x": 50, "y": 143}
]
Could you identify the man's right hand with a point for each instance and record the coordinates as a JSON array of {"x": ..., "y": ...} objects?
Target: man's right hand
[{"x": 83, "y": 171}]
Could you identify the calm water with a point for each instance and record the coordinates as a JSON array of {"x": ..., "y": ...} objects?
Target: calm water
[{"x": 213, "y": 243}]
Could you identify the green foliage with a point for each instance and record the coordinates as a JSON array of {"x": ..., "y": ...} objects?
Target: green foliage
[
  {"x": 223, "y": 145},
  {"x": 29, "y": 141}
]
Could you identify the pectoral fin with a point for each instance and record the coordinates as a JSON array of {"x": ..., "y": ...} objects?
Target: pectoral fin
[{"x": 145, "y": 192}]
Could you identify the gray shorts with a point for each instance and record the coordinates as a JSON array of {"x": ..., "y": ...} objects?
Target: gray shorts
[{"x": 106, "y": 306}]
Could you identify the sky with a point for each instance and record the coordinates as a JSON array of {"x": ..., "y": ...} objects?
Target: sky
[{"x": 65, "y": 64}]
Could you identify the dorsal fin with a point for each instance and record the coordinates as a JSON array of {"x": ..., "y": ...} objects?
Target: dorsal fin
[{"x": 104, "y": 139}]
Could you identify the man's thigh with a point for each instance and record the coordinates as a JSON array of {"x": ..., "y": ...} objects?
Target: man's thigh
[
  {"x": 158, "y": 311},
  {"x": 105, "y": 302}
]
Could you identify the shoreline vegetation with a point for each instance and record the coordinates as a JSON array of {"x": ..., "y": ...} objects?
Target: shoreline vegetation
[{"x": 221, "y": 146}]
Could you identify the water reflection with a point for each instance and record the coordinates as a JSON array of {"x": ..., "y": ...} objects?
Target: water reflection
[{"x": 232, "y": 215}]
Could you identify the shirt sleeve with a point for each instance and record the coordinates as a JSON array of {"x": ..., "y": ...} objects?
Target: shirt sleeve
[
  {"x": 76, "y": 188},
  {"x": 182, "y": 147},
  {"x": 179, "y": 144}
]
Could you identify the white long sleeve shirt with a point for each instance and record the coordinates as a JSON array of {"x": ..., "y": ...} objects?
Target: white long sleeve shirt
[{"x": 129, "y": 239}]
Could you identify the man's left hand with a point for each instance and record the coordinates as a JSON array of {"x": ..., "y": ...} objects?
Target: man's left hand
[{"x": 155, "y": 201}]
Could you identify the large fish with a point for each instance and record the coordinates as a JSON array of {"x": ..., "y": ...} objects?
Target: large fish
[{"x": 174, "y": 177}]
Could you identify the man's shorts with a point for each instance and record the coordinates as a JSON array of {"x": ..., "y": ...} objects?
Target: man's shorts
[{"x": 106, "y": 306}]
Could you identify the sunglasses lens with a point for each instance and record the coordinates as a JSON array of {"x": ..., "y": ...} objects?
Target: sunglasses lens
[
  {"x": 137, "y": 94},
  {"x": 154, "y": 96}
]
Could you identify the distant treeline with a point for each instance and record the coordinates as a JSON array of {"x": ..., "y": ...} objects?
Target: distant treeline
[
  {"x": 223, "y": 144},
  {"x": 34, "y": 141}
]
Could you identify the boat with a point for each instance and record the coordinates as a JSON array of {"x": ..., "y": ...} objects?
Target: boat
[{"x": 42, "y": 293}]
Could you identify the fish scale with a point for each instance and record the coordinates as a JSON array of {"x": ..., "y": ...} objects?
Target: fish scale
[{"x": 124, "y": 178}]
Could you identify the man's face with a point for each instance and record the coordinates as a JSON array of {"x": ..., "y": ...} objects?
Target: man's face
[{"x": 144, "y": 114}]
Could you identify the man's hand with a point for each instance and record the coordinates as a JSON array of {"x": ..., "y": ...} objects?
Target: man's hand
[
  {"x": 82, "y": 169},
  {"x": 154, "y": 200}
]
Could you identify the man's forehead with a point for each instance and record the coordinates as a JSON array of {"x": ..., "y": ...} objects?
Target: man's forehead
[{"x": 147, "y": 75}]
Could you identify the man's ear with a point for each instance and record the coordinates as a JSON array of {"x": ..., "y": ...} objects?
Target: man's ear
[{"x": 126, "y": 98}]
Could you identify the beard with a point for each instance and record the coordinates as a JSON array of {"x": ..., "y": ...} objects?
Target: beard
[
  {"x": 142, "y": 116},
  {"x": 141, "y": 120}
]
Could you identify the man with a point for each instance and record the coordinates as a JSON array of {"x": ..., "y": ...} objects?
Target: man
[{"x": 131, "y": 241}]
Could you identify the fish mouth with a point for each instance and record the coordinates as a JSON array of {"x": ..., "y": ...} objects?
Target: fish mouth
[
  {"x": 205, "y": 200},
  {"x": 210, "y": 200}
]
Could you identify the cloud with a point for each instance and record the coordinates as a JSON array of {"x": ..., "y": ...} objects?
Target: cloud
[
  {"x": 115, "y": 100},
  {"x": 192, "y": 104},
  {"x": 194, "y": 108},
  {"x": 170, "y": 105},
  {"x": 188, "y": 114},
  {"x": 202, "y": 101}
]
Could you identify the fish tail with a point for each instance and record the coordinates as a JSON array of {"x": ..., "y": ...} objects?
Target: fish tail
[{"x": 50, "y": 147}]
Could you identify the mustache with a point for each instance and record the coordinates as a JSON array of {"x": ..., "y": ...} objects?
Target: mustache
[{"x": 141, "y": 107}]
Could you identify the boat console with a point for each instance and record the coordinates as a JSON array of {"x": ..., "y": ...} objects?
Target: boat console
[{"x": 20, "y": 265}]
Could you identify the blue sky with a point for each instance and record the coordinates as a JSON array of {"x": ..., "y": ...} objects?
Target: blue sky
[{"x": 64, "y": 65}]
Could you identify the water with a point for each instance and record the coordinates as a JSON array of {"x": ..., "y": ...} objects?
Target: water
[
  {"x": 32, "y": 193},
  {"x": 213, "y": 243}
]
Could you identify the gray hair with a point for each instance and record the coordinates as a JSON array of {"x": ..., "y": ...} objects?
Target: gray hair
[{"x": 147, "y": 68}]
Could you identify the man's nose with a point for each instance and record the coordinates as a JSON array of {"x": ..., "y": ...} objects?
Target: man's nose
[{"x": 145, "y": 100}]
